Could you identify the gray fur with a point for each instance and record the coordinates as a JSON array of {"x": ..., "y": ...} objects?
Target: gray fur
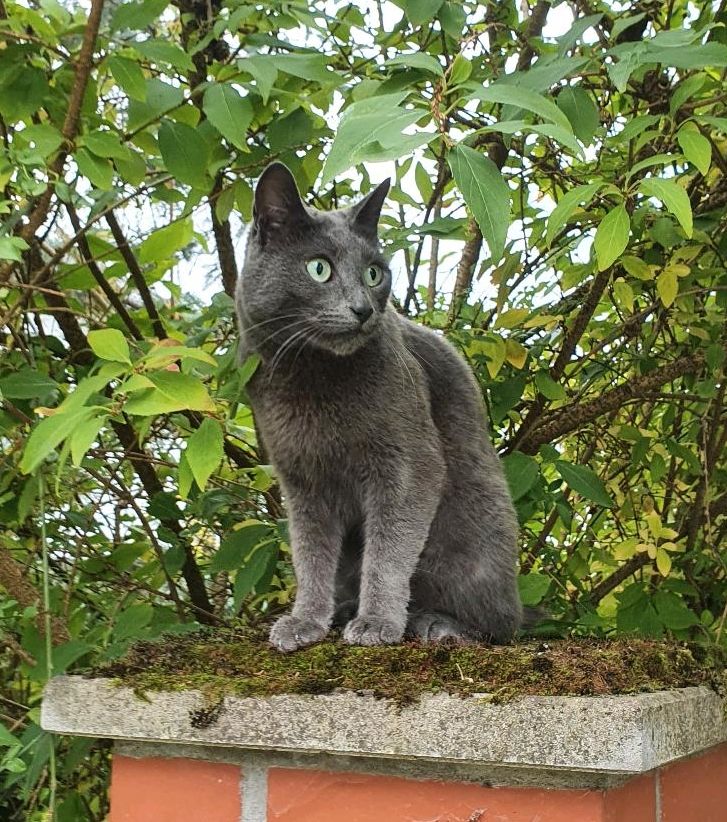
[{"x": 400, "y": 516}]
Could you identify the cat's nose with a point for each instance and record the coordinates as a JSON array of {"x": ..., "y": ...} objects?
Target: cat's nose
[{"x": 362, "y": 311}]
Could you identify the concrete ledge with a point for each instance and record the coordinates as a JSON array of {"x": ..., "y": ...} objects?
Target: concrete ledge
[{"x": 590, "y": 741}]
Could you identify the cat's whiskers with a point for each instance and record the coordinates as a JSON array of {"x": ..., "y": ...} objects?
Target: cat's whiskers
[
  {"x": 316, "y": 334},
  {"x": 285, "y": 328},
  {"x": 403, "y": 362},
  {"x": 272, "y": 320},
  {"x": 286, "y": 346}
]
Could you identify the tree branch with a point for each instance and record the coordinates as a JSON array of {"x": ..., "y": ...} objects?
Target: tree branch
[
  {"x": 137, "y": 275},
  {"x": 69, "y": 129},
  {"x": 574, "y": 416}
]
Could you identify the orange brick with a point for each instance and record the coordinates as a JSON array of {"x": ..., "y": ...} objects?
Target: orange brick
[
  {"x": 174, "y": 790},
  {"x": 635, "y": 801},
  {"x": 695, "y": 790},
  {"x": 316, "y": 796}
]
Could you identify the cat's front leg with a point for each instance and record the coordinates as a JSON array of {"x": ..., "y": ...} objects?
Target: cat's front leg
[
  {"x": 316, "y": 538},
  {"x": 397, "y": 527}
]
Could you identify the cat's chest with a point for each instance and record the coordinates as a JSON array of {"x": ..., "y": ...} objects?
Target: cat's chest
[{"x": 313, "y": 418}]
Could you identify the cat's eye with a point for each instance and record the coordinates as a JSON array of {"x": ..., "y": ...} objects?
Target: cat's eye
[
  {"x": 373, "y": 276},
  {"x": 319, "y": 269}
]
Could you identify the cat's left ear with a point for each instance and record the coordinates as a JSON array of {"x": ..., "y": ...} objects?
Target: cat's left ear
[{"x": 365, "y": 214}]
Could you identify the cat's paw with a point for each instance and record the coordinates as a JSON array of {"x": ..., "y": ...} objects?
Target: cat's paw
[
  {"x": 372, "y": 630},
  {"x": 430, "y": 626},
  {"x": 290, "y": 633}
]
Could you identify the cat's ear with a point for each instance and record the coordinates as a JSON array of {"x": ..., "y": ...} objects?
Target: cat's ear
[
  {"x": 278, "y": 209},
  {"x": 365, "y": 215}
]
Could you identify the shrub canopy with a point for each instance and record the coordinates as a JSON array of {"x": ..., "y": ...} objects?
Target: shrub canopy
[{"x": 557, "y": 210}]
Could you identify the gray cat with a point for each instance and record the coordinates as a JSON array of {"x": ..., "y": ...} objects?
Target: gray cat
[{"x": 400, "y": 517}]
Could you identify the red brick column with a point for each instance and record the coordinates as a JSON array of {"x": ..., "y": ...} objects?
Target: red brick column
[{"x": 155, "y": 789}]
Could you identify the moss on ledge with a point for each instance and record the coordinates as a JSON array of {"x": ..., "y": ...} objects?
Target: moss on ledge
[{"x": 240, "y": 662}]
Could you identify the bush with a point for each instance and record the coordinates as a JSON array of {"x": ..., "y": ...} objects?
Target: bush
[{"x": 558, "y": 210}]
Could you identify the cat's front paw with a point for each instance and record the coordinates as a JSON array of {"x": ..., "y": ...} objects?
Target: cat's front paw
[
  {"x": 290, "y": 633},
  {"x": 372, "y": 630}
]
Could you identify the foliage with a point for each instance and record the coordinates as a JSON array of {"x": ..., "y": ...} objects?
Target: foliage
[{"x": 558, "y": 210}]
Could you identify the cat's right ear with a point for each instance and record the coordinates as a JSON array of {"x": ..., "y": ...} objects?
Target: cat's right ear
[{"x": 278, "y": 209}]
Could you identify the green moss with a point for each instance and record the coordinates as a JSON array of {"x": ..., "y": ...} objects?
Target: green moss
[{"x": 239, "y": 661}]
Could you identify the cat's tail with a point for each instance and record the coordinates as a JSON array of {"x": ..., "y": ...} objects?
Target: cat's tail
[{"x": 533, "y": 616}]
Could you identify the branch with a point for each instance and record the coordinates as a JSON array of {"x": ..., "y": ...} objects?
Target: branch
[
  {"x": 534, "y": 29},
  {"x": 572, "y": 337},
  {"x": 574, "y": 416},
  {"x": 717, "y": 508},
  {"x": 14, "y": 580},
  {"x": 103, "y": 283},
  {"x": 223, "y": 241},
  {"x": 137, "y": 275},
  {"x": 69, "y": 129}
]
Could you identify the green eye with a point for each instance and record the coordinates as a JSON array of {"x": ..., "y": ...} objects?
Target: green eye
[
  {"x": 373, "y": 276},
  {"x": 319, "y": 269}
]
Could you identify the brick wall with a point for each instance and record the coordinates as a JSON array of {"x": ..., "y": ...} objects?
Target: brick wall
[{"x": 155, "y": 789}]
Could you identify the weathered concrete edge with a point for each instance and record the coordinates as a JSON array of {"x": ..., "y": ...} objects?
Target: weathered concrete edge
[
  {"x": 611, "y": 734},
  {"x": 481, "y": 773}
]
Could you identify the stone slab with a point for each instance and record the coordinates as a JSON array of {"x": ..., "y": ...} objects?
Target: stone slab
[{"x": 610, "y": 736}]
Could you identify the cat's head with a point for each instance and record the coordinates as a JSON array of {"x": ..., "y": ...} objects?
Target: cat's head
[{"x": 311, "y": 277}]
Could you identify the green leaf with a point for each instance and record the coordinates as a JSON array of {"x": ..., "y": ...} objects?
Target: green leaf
[
  {"x": 84, "y": 436},
  {"x": 485, "y": 192},
  {"x": 673, "y": 196},
  {"x": 419, "y": 12},
  {"x": 100, "y": 172},
  {"x": 612, "y": 237},
  {"x": 137, "y": 15},
  {"x": 368, "y": 126},
  {"x": 585, "y": 482},
  {"x": 263, "y": 71},
  {"x": 696, "y": 147},
  {"x": 236, "y": 547},
  {"x": 248, "y": 368},
  {"x": 26, "y": 384},
  {"x": 667, "y": 286},
  {"x": 229, "y": 113},
  {"x": 621, "y": 23},
  {"x": 673, "y": 612},
  {"x": 10, "y": 248},
  {"x": 637, "y": 268},
  {"x": 629, "y": 57},
  {"x": 624, "y": 294},
  {"x": 581, "y": 111},
  {"x": 109, "y": 344},
  {"x": 163, "y": 243},
  {"x": 524, "y": 98},
  {"x": 532, "y": 587},
  {"x": 129, "y": 76},
  {"x": 460, "y": 71},
  {"x": 105, "y": 144},
  {"x": 548, "y": 387},
  {"x": 132, "y": 620},
  {"x": 205, "y": 450},
  {"x": 7, "y": 740},
  {"x": 49, "y": 433},
  {"x": 173, "y": 391},
  {"x": 253, "y": 571},
  {"x": 41, "y": 138},
  {"x": 578, "y": 196},
  {"x": 521, "y": 472},
  {"x": 452, "y": 18},
  {"x": 706, "y": 55},
  {"x": 185, "y": 152},
  {"x": 315, "y": 67},
  {"x": 162, "y": 51},
  {"x": 418, "y": 59}
]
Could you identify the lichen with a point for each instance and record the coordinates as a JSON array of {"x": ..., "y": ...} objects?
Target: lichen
[{"x": 239, "y": 661}]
